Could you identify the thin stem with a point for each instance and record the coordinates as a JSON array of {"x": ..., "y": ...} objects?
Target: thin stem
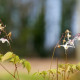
[
  {"x": 65, "y": 65},
  {"x": 66, "y": 57},
  {"x": 49, "y": 76},
  {"x": 68, "y": 76},
  {"x": 57, "y": 69},
  {"x": 64, "y": 75},
  {"x": 52, "y": 61},
  {"x": 52, "y": 58},
  {"x": 60, "y": 39},
  {"x": 16, "y": 71},
  {"x": 55, "y": 48},
  {"x": 10, "y": 47},
  {"x": 8, "y": 71}
]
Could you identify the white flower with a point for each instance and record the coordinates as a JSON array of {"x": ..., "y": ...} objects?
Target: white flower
[
  {"x": 77, "y": 37},
  {"x": 65, "y": 46},
  {"x": 68, "y": 45},
  {"x": 3, "y": 40},
  {"x": 70, "y": 42}
]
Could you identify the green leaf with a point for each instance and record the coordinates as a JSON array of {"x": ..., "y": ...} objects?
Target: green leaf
[
  {"x": 36, "y": 73},
  {"x": 15, "y": 59},
  {"x": 20, "y": 61},
  {"x": 12, "y": 60},
  {"x": 61, "y": 66},
  {"x": 27, "y": 65},
  {"x": 78, "y": 67},
  {"x": 52, "y": 71},
  {"x": 7, "y": 56},
  {"x": 74, "y": 66},
  {"x": 43, "y": 73},
  {"x": 61, "y": 69}
]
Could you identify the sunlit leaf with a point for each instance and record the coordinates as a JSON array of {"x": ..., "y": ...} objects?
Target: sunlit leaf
[
  {"x": 44, "y": 73},
  {"x": 74, "y": 67},
  {"x": 20, "y": 61},
  {"x": 7, "y": 56},
  {"x": 78, "y": 67},
  {"x": 15, "y": 59},
  {"x": 27, "y": 65},
  {"x": 50, "y": 71},
  {"x": 35, "y": 73}
]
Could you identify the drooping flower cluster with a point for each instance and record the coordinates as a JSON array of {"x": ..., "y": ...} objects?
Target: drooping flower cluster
[
  {"x": 68, "y": 42},
  {"x": 6, "y": 37}
]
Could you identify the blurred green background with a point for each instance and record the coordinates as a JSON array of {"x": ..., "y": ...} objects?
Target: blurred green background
[{"x": 28, "y": 20}]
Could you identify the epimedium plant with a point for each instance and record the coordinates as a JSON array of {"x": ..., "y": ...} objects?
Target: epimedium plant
[
  {"x": 10, "y": 56},
  {"x": 63, "y": 71},
  {"x": 66, "y": 70}
]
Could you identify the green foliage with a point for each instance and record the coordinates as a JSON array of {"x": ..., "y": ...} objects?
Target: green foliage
[
  {"x": 23, "y": 76},
  {"x": 26, "y": 64},
  {"x": 13, "y": 58},
  {"x": 7, "y": 56},
  {"x": 63, "y": 69},
  {"x": 10, "y": 56},
  {"x": 52, "y": 71},
  {"x": 43, "y": 73}
]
